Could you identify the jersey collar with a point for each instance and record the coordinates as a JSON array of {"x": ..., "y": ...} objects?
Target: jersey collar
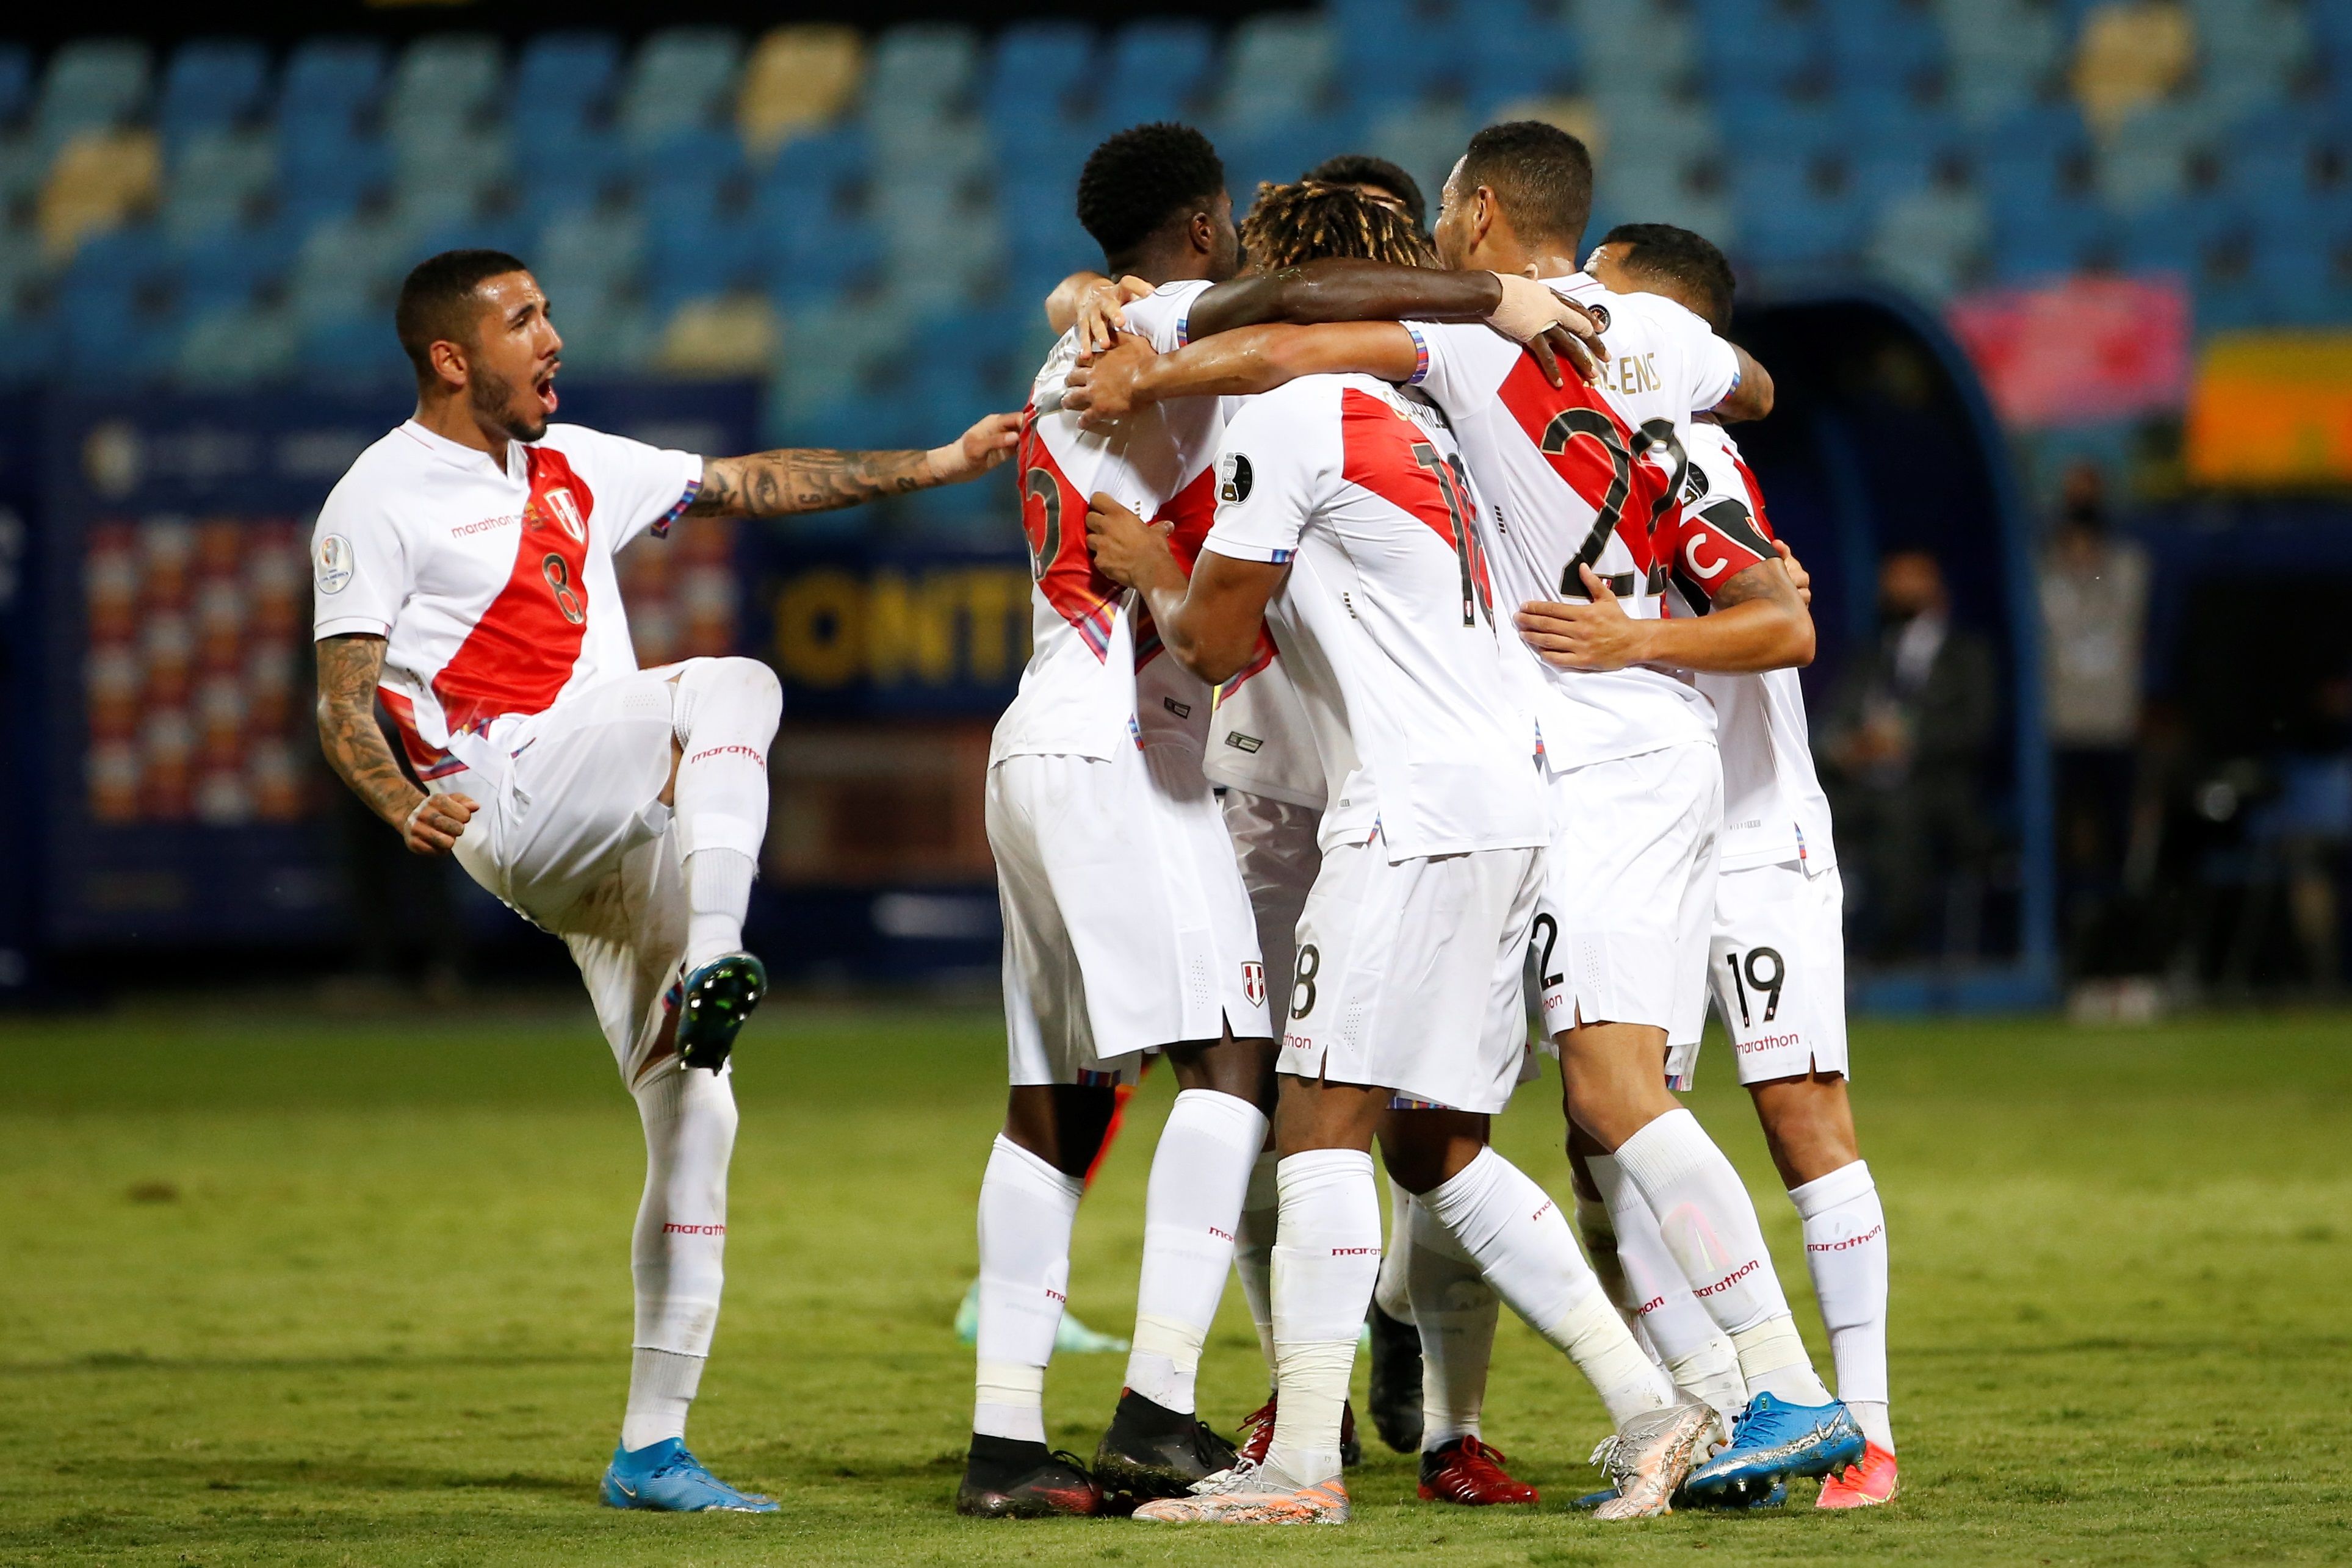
[{"x": 459, "y": 455}]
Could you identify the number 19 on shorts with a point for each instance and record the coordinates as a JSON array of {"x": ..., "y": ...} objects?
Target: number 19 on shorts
[{"x": 1759, "y": 972}]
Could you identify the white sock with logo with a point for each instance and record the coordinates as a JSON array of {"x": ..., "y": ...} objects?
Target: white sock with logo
[
  {"x": 1199, "y": 1174},
  {"x": 677, "y": 1251},
  {"x": 1519, "y": 1237},
  {"x": 1698, "y": 1355},
  {"x": 725, "y": 717},
  {"x": 1026, "y": 1211},
  {"x": 1326, "y": 1256},
  {"x": 1394, "y": 1293},
  {"x": 1456, "y": 1310},
  {"x": 1845, "y": 1249},
  {"x": 1254, "y": 1251},
  {"x": 1708, "y": 1224}
]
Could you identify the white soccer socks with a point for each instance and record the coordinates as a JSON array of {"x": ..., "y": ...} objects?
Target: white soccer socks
[
  {"x": 1456, "y": 1310},
  {"x": 1517, "y": 1234},
  {"x": 1845, "y": 1248},
  {"x": 726, "y": 715},
  {"x": 676, "y": 1254},
  {"x": 1698, "y": 1355},
  {"x": 1199, "y": 1176},
  {"x": 1327, "y": 1255},
  {"x": 1393, "y": 1291},
  {"x": 1026, "y": 1210},
  {"x": 1709, "y": 1229},
  {"x": 1254, "y": 1251}
]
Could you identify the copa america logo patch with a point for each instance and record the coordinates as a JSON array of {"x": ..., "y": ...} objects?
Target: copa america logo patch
[
  {"x": 1599, "y": 314},
  {"x": 1693, "y": 483},
  {"x": 1233, "y": 477},
  {"x": 333, "y": 568},
  {"x": 567, "y": 512},
  {"x": 1254, "y": 982}
]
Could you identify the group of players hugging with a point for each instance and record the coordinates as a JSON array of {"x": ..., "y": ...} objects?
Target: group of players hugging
[{"x": 1405, "y": 616}]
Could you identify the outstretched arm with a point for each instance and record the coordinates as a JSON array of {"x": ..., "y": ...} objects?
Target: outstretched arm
[
  {"x": 820, "y": 479},
  {"x": 1209, "y": 622},
  {"x": 355, "y": 748},
  {"x": 1346, "y": 289},
  {"x": 1758, "y": 623},
  {"x": 1236, "y": 364}
]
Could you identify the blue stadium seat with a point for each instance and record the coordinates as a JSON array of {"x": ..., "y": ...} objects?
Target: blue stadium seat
[
  {"x": 218, "y": 177},
  {"x": 212, "y": 84},
  {"x": 2034, "y": 245},
  {"x": 237, "y": 346},
  {"x": 1763, "y": 49},
  {"x": 1036, "y": 71},
  {"x": 328, "y": 83},
  {"x": 1931, "y": 240},
  {"x": 444, "y": 78},
  {"x": 570, "y": 72},
  {"x": 1519, "y": 50},
  {"x": 682, "y": 78},
  {"x": 356, "y": 350},
  {"x": 921, "y": 71},
  {"x": 2186, "y": 237},
  {"x": 2289, "y": 161},
  {"x": 15, "y": 83},
  {"x": 230, "y": 267},
  {"x": 2149, "y": 161},
  {"x": 1158, "y": 70},
  {"x": 2306, "y": 268},
  {"x": 815, "y": 177},
  {"x": 812, "y": 264},
  {"x": 119, "y": 305},
  {"x": 2001, "y": 54},
  {"x": 1635, "y": 45},
  {"x": 1769, "y": 121},
  {"x": 1878, "y": 41},
  {"x": 564, "y": 167},
  {"x": 724, "y": 253},
  {"x": 1785, "y": 221},
  {"x": 1278, "y": 67},
  {"x": 91, "y": 84},
  {"x": 1392, "y": 49},
  {"x": 331, "y": 171},
  {"x": 1281, "y": 150}
]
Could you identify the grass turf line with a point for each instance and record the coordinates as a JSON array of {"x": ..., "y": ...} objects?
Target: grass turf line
[{"x": 358, "y": 1293}]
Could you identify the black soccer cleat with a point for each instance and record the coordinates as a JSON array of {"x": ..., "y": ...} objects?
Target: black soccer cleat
[
  {"x": 712, "y": 1004},
  {"x": 1004, "y": 1479},
  {"x": 1151, "y": 1451},
  {"x": 1395, "y": 1396}
]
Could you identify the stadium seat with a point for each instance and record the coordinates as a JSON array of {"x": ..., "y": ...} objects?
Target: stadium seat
[
  {"x": 1277, "y": 68},
  {"x": 356, "y": 350},
  {"x": 606, "y": 332},
  {"x": 2251, "y": 51},
  {"x": 559, "y": 170},
  {"x": 922, "y": 71},
  {"x": 99, "y": 179},
  {"x": 831, "y": 354},
  {"x": 235, "y": 266},
  {"x": 682, "y": 79},
  {"x": 1761, "y": 48},
  {"x": 1875, "y": 42},
  {"x": 330, "y": 170},
  {"x": 798, "y": 79},
  {"x": 1157, "y": 70},
  {"x": 1931, "y": 241},
  {"x": 1792, "y": 213},
  {"x": 2148, "y": 162},
  {"x": 2001, "y": 54},
  {"x": 1519, "y": 52},
  {"x": 234, "y": 346},
  {"x": 574, "y": 72},
  {"x": 1281, "y": 150},
  {"x": 91, "y": 84},
  {"x": 15, "y": 86},
  {"x": 211, "y": 85},
  {"x": 2131, "y": 53},
  {"x": 2289, "y": 161},
  {"x": 1629, "y": 44},
  {"x": 442, "y": 79},
  {"x": 2038, "y": 244},
  {"x": 732, "y": 335},
  {"x": 1423, "y": 137},
  {"x": 1393, "y": 50},
  {"x": 216, "y": 178},
  {"x": 328, "y": 83},
  {"x": 1768, "y": 121},
  {"x": 347, "y": 266},
  {"x": 814, "y": 264}
]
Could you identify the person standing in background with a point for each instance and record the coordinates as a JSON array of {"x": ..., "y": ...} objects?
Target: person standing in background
[{"x": 2093, "y": 589}]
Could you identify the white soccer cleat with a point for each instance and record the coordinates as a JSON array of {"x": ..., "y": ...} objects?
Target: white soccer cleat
[
  {"x": 1252, "y": 1494},
  {"x": 1649, "y": 1457}
]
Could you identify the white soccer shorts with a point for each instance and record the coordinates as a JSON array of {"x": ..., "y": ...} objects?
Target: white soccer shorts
[
  {"x": 572, "y": 835},
  {"x": 1126, "y": 926},
  {"x": 1777, "y": 969},
  {"x": 1629, "y": 898},
  {"x": 1408, "y": 974},
  {"x": 1275, "y": 843}
]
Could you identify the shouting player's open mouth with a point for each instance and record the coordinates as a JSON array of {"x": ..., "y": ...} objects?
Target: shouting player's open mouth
[{"x": 544, "y": 385}]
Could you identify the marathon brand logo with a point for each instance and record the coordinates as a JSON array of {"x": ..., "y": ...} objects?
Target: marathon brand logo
[
  {"x": 1768, "y": 1043},
  {"x": 1355, "y": 1251},
  {"x": 672, "y": 1228},
  {"x": 728, "y": 751},
  {"x": 1864, "y": 1239},
  {"x": 1652, "y": 1305},
  {"x": 1731, "y": 1279},
  {"x": 1233, "y": 477},
  {"x": 1543, "y": 1208},
  {"x": 464, "y": 530},
  {"x": 1057, "y": 1295},
  {"x": 1220, "y": 1235}
]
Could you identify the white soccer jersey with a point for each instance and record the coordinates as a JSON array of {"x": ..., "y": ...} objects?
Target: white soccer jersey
[
  {"x": 1096, "y": 676},
  {"x": 492, "y": 584},
  {"x": 1577, "y": 475},
  {"x": 1386, "y": 620},
  {"x": 1259, "y": 738},
  {"x": 1773, "y": 806}
]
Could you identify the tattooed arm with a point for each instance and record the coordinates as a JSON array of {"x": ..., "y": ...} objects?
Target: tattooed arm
[
  {"x": 1758, "y": 623},
  {"x": 820, "y": 479},
  {"x": 356, "y": 750}
]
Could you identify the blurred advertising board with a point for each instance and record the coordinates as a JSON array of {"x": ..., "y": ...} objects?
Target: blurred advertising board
[
  {"x": 2079, "y": 351},
  {"x": 2272, "y": 411}
]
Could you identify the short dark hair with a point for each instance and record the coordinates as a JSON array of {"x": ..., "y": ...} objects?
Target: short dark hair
[
  {"x": 1663, "y": 251},
  {"x": 1292, "y": 225},
  {"x": 1541, "y": 174},
  {"x": 437, "y": 300},
  {"x": 1140, "y": 180},
  {"x": 1363, "y": 169}
]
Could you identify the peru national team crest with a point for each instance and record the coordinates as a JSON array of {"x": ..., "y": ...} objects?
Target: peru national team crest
[
  {"x": 1254, "y": 982},
  {"x": 567, "y": 512}
]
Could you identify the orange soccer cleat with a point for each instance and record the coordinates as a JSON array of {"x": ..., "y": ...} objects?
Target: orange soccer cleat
[
  {"x": 1865, "y": 1484},
  {"x": 1467, "y": 1471}
]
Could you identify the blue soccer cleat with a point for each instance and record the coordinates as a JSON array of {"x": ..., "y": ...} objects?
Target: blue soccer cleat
[
  {"x": 1773, "y": 1499},
  {"x": 1773, "y": 1441},
  {"x": 713, "y": 1002},
  {"x": 665, "y": 1477}
]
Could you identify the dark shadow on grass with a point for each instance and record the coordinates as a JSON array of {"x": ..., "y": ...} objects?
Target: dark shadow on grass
[
  {"x": 134, "y": 1361},
  {"x": 231, "y": 1474}
]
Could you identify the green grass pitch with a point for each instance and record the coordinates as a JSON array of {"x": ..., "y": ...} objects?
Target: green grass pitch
[{"x": 356, "y": 1291}]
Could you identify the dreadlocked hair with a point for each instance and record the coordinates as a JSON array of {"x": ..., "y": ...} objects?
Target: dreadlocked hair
[{"x": 1310, "y": 220}]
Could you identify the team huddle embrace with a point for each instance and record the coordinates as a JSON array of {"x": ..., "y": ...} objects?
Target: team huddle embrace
[{"x": 1405, "y": 624}]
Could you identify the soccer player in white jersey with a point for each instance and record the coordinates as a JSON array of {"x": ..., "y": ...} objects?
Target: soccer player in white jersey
[
  {"x": 465, "y": 580},
  {"x": 1777, "y": 963},
  {"x": 1363, "y": 525},
  {"x": 1575, "y": 477},
  {"x": 1127, "y": 928}
]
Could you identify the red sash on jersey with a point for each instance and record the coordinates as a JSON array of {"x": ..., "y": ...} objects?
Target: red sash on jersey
[
  {"x": 1054, "y": 519},
  {"x": 1189, "y": 514},
  {"x": 1755, "y": 496},
  {"x": 1590, "y": 447},
  {"x": 522, "y": 651},
  {"x": 1387, "y": 454}
]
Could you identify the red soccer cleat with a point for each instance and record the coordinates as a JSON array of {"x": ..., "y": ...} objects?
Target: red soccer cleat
[
  {"x": 1467, "y": 1471},
  {"x": 1863, "y": 1485},
  {"x": 1257, "y": 1434}
]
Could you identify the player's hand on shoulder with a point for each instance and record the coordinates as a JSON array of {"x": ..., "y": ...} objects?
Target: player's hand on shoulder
[
  {"x": 435, "y": 826},
  {"x": 1595, "y": 636},
  {"x": 1126, "y": 549},
  {"x": 1798, "y": 577},
  {"x": 1105, "y": 389},
  {"x": 980, "y": 449},
  {"x": 1102, "y": 312},
  {"x": 1550, "y": 327}
]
